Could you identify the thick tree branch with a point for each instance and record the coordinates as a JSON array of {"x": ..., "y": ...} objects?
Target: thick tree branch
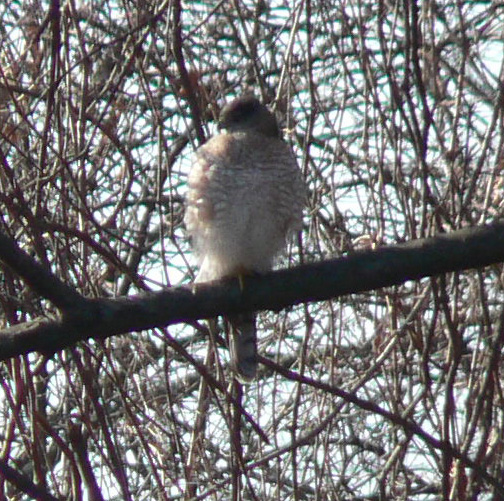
[
  {"x": 37, "y": 276},
  {"x": 101, "y": 318},
  {"x": 24, "y": 484}
]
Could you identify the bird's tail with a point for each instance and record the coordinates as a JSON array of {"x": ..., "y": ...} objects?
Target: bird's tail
[{"x": 243, "y": 346}]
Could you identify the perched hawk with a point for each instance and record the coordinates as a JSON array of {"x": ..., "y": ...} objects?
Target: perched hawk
[{"x": 245, "y": 197}]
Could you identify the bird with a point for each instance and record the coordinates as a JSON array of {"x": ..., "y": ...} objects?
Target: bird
[{"x": 245, "y": 199}]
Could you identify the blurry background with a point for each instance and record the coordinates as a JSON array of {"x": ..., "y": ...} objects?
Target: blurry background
[{"x": 394, "y": 110}]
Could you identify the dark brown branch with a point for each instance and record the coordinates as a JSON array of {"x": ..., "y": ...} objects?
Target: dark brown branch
[
  {"x": 37, "y": 276},
  {"x": 409, "y": 427},
  {"x": 362, "y": 271},
  {"x": 24, "y": 484},
  {"x": 184, "y": 74}
]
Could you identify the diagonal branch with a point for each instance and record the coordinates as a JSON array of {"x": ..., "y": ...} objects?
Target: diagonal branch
[
  {"x": 37, "y": 276},
  {"x": 101, "y": 318},
  {"x": 409, "y": 426}
]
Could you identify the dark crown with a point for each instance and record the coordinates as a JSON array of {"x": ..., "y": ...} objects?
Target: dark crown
[{"x": 246, "y": 113}]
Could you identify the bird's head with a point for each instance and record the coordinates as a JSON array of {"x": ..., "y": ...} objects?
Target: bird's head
[{"x": 246, "y": 114}]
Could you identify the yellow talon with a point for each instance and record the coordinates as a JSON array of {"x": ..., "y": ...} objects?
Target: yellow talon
[{"x": 241, "y": 282}]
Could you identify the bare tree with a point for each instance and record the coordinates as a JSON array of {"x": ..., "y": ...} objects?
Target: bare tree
[{"x": 374, "y": 383}]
